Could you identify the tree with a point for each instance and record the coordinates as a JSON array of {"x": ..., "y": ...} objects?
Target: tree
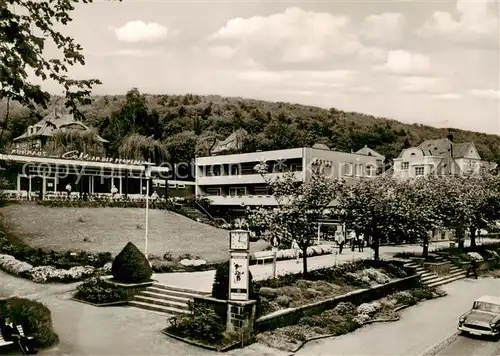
[
  {"x": 455, "y": 198},
  {"x": 85, "y": 141},
  {"x": 300, "y": 205},
  {"x": 24, "y": 30},
  {"x": 415, "y": 210},
  {"x": 181, "y": 147},
  {"x": 484, "y": 200},
  {"x": 368, "y": 207},
  {"x": 140, "y": 148}
]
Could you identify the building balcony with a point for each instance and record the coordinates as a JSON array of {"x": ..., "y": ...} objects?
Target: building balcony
[
  {"x": 242, "y": 200},
  {"x": 240, "y": 179}
]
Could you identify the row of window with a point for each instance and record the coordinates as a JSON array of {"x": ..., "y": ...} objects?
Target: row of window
[
  {"x": 419, "y": 170},
  {"x": 347, "y": 169},
  {"x": 170, "y": 185},
  {"x": 237, "y": 191}
]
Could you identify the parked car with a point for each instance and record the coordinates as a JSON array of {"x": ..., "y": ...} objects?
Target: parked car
[{"x": 483, "y": 319}]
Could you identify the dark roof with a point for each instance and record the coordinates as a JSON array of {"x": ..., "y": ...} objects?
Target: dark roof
[
  {"x": 461, "y": 149},
  {"x": 232, "y": 142},
  {"x": 439, "y": 147},
  {"x": 321, "y": 146},
  {"x": 370, "y": 152},
  {"x": 53, "y": 122},
  {"x": 443, "y": 146}
]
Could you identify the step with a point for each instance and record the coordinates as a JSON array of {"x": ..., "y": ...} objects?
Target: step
[
  {"x": 446, "y": 281},
  {"x": 161, "y": 301},
  {"x": 179, "y": 289},
  {"x": 429, "y": 277},
  {"x": 174, "y": 293},
  {"x": 158, "y": 308},
  {"x": 174, "y": 298}
]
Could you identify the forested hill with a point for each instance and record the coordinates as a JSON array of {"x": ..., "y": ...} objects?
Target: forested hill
[{"x": 184, "y": 122}]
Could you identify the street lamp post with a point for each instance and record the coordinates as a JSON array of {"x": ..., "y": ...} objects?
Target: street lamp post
[{"x": 147, "y": 172}]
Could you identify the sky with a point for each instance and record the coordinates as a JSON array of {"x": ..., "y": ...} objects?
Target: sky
[{"x": 430, "y": 62}]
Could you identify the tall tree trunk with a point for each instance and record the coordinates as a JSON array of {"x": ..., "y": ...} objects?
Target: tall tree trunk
[
  {"x": 472, "y": 231},
  {"x": 460, "y": 236},
  {"x": 376, "y": 247},
  {"x": 425, "y": 250},
  {"x": 304, "y": 261}
]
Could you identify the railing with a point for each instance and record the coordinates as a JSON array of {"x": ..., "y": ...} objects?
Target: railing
[{"x": 205, "y": 211}]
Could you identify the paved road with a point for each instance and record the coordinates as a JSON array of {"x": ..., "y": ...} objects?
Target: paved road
[
  {"x": 420, "y": 328},
  {"x": 203, "y": 280}
]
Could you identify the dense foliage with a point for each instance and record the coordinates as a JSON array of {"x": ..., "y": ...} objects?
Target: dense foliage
[
  {"x": 131, "y": 266},
  {"x": 35, "y": 318},
  {"x": 188, "y": 124},
  {"x": 202, "y": 324},
  {"x": 27, "y": 27}
]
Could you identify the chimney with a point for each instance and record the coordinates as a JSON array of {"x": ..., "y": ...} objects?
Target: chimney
[{"x": 450, "y": 137}]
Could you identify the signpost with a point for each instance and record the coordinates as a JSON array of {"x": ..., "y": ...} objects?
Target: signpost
[
  {"x": 275, "y": 242},
  {"x": 239, "y": 263}
]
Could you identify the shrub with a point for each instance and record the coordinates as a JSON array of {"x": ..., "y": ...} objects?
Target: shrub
[
  {"x": 99, "y": 291},
  {"x": 131, "y": 266},
  {"x": 421, "y": 293},
  {"x": 33, "y": 316},
  {"x": 202, "y": 324},
  {"x": 345, "y": 308},
  {"x": 405, "y": 298}
]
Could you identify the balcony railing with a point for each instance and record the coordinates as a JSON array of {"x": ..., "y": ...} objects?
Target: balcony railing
[{"x": 241, "y": 179}]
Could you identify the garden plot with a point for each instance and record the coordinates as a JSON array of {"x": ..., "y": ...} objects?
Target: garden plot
[{"x": 286, "y": 292}]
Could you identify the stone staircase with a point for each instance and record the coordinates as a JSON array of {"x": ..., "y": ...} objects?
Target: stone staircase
[
  {"x": 196, "y": 214},
  {"x": 165, "y": 299},
  {"x": 432, "y": 280}
]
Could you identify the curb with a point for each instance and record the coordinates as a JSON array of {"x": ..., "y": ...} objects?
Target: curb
[
  {"x": 367, "y": 323},
  {"x": 433, "y": 350}
]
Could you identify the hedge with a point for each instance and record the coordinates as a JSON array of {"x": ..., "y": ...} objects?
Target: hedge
[{"x": 34, "y": 317}]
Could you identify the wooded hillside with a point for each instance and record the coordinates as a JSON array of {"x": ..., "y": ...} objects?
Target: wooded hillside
[{"x": 185, "y": 123}]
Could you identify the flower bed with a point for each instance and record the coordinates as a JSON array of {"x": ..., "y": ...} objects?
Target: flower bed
[
  {"x": 106, "y": 202},
  {"x": 289, "y": 254},
  {"x": 14, "y": 246},
  {"x": 202, "y": 327},
  {"x": 44, "y": 274},
  {"x": 99, "y": 291},
  {"x": 183, "y": 263},
  {"x": 293, "y": 290},
  {"x": 344, "y": 318}
]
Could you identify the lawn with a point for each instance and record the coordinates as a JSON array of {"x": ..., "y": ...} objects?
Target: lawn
[{"x": 109, "y": 229}]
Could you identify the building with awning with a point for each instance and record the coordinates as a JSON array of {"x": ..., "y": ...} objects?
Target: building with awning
[{"x": 35, "y": 174}]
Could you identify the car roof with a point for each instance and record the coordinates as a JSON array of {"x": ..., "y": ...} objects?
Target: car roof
[{"x": 489, "y": 299}]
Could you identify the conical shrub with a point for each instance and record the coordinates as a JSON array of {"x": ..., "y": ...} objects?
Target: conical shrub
[{"x": 131, "y": 266}]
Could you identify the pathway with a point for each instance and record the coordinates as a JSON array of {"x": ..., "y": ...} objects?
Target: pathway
[
  {"x": 203, "y": 280},
  {"x": 87, "y": 330},
  {"x": 419, "y": 329}
]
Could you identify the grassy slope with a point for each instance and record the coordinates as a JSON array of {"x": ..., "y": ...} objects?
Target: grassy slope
[{"x": 109, "y": 229}]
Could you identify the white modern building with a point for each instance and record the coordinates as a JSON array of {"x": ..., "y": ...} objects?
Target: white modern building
[
  {"x": 440, "y": 157},
  {"x": 231, "y": 180}
]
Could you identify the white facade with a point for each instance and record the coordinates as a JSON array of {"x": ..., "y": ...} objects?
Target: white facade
[
  {"x": 231, "y": 180},
  {"x": 439, "y": 157}
]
